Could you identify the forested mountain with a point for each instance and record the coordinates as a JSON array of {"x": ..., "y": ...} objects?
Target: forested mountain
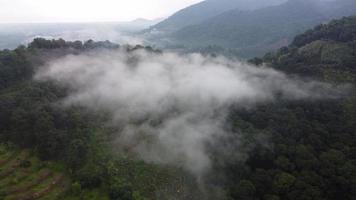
[
  {"x": 71, "y": 136},
  {"x": 206, "y": 9},
  {"x": 313, "y": 142},
  {"x": 306, "y": 148},
  {"x": 256, "y": 32},
  {"x": 327, "y": 51}
]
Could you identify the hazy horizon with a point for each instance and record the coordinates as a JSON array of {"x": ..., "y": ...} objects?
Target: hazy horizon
[{"x": 81, "y": 11}]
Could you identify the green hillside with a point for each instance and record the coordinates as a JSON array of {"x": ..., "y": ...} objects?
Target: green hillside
[
  {"x": 254, "y": 33},
  {"x": 204, "y": 10},
  {"x": 327, "y": 51},
  {"x": 313, "y": 153},
  {"x": 72, "y": 137},
  {"x": 293, "y": 149}
]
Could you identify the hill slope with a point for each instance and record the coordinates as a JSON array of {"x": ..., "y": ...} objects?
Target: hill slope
[
  {"x": 72, "y": 136},
  {"x": 257, "y": 32},
  {"x": 23, "y": 176},
  {"x": 327, "y": 51},
  {"x": 305, "y": 148},
  {"x": 204, "y": 10},
  {"x": 313, "y": 141}
]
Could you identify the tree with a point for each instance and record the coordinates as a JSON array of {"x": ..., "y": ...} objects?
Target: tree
[
  {"x": 77, "y": 153},
  {"x": 121, "y": 190},
  {"x": 283, "y": 182},
  {"x": 245, "y": 190}
]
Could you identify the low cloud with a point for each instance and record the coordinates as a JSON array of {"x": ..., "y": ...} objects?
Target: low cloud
[{"x": 169, "y": 106}]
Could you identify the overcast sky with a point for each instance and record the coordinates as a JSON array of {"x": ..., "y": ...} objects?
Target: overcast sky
[{"x": 22, "y": 11}]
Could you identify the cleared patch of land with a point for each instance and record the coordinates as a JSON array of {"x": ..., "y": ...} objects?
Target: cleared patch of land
[{"x": 24, "y": 177}]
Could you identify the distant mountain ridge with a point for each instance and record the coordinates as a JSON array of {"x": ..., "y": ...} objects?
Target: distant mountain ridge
[
  {"x": 254, "y": 32},
  {"x": 204, "y": 10}
]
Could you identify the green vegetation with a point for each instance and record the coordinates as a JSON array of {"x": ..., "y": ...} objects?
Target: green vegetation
[
  {"x": 23, "y": 176},
  {"x": 312, "y": 154},
  {"x": 327, "y": 52},
  {"x": 297, "y": 150},
  {"x": 73, "y": 138}
]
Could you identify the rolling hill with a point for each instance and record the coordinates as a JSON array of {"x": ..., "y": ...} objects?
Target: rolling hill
[
  {"x": 303, "y": 149},
  {"x": 317, "y": 137},
  {"x": 327, "y": 51},
  {"x": 202, "y": 11},
  {"x": 255, "y": 32}
]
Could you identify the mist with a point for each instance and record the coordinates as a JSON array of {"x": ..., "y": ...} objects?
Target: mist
[
  {"x": 167, "y": 106},
  {"x": 12, "y": 35}
]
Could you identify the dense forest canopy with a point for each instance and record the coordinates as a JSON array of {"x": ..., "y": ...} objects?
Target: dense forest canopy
[
  {"x": 305, "y": 148},
  {"x": 327, "y": 51}
]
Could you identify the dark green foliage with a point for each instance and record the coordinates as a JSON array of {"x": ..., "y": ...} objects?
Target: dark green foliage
[
  {"x": 14, "y": 67},
  {"x": 310, "y": 157},
  {"x": 311, "y": 152},
  {"x": 256, "y": 61},
  {"x": 120, "y": 190},
  {"x": 305, "y": 149},
  {"x": 91, "y": 176},
  {"x": 343, "y": 30},
  {"x": 25, "y": 164},
  {"x": 245, "y": 190},
  {"x": 31, "y": 117},
  {"x": 41, "y": 43},
  {"x": 76, "y": 188},
  {"x": 90, "y": 44},
  {"x": 327, "y": 52}
]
